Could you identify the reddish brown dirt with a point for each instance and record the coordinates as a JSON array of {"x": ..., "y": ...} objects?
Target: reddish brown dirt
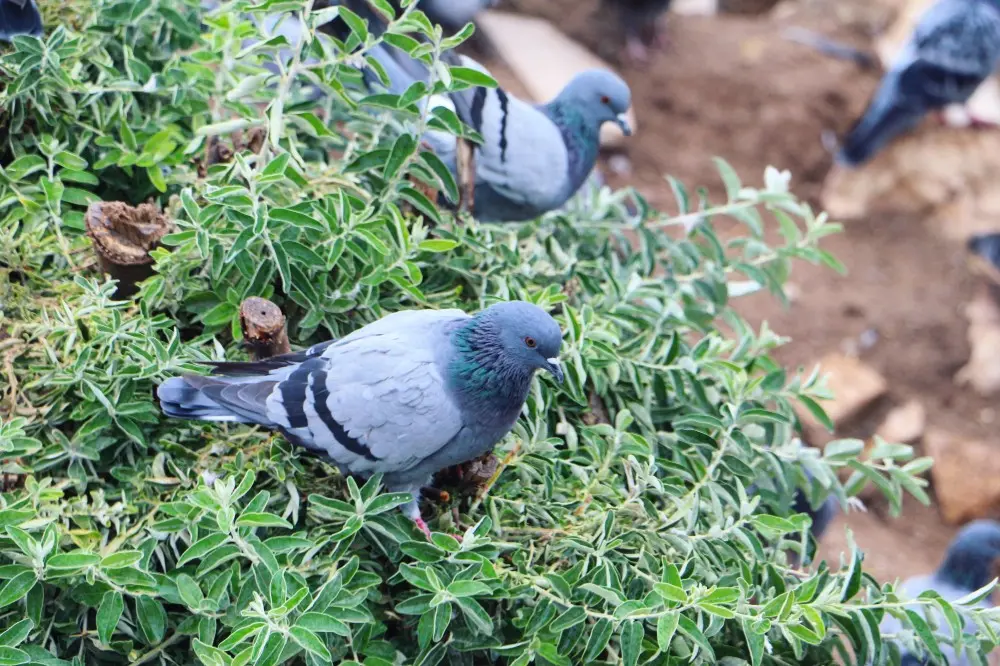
[{"x": 732, "y": 86}]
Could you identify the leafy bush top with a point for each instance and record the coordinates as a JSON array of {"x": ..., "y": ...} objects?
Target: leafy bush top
[{"x": 631, "y": 539}]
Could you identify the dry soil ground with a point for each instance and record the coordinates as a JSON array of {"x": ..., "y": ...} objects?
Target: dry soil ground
[{"x": 733, "y": 86}]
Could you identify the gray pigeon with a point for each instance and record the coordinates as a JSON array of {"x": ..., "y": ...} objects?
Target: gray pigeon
[
  {"x": 642, "y": 22},
  {"x": 967, "y": 566},
  {"x": 406, "y": 396},
  {"x": 954, "y": 48},
  {"x": 533, "y": 159},
  {"x": 19, "y": 17},
  {"x": 452, "y": 15}
]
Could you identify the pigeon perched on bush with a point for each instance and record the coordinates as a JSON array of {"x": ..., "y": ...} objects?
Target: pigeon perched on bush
[
  {"x": 452, "y": 15},
  {"x": 533, "y": 158},
  {"x": 968, "y": 566},
  {"x": 406, "y": 396},
  {"x": 19, "y": 17},
  {"x": 642, "y": 22},
  {"x": 954, "y": 48}
]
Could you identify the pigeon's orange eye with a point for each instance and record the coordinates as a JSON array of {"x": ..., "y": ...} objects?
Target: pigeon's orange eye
[
  {"x": 605, "y": 99},
  {"x": 530, "y": 341}
]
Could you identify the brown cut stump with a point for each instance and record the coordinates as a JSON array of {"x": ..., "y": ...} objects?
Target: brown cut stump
[
  {"x": 264, "y": 330},
  {"x": 123, "y": 237}
]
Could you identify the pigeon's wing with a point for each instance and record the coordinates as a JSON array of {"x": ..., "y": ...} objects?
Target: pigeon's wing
[
  {"x": 523, "y": 158},
  {"x": 375, "y": 401},
  {"x": 19, "y": 17},
  {"x": 954, "y": 48},
  {"x": 911, "y": 589}
]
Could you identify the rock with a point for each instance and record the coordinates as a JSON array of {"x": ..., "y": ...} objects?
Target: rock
[
  {"x": 966, "y": 476},
  {"x": 982, "y": 372},
  {"x": 854, "y": 385},
  {"x": 544, "y": 60},
  {"x": 904, "y": 424},
  {"x": 695, "y": 7}
]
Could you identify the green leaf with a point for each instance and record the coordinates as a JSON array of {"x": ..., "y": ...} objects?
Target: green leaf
[
  {"x": 323, "y": 623},
  {"x": 478, "y": 619},
  {"x": 16, "y": 588},
  {"x": 152, "y": 619},
  {"x": 438, "y": 245},
  {"x": 259, "y": 519},
  {"x": 121, "y": 559},
  {"x": 631, "y": 642},
  {"x": 16, "y": 633},
  {"x": 202, "y": 547},
  {"x": 70, "y": 161},
  {"x": 108, "y": 613},
  {"x": 473, "y": 77},
  {"x": 818, "y": 413},
  {"x": 666, "y": 626},
  {"x": 571, "y": 617},
  {"x": 310, "y": 642}
]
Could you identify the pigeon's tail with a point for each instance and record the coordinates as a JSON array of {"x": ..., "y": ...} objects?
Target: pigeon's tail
[
  {"x": 210, "y": 399},
  {"x": 986, "y": 246},
  {"x": 19, "y": 17},
  {"x": 910, "y": 659},
  {"x": 886, "y": 118}
]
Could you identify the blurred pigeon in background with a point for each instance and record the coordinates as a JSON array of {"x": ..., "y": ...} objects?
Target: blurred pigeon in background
[
  {"x": 533, "y": 158},
  {"x": 19, "y": 17},
  {"x": 954, "y": 48},
  {"x": 405, "y": 396},
  {"x": 987, "y": 247},
  {"x": 643, "y": 22},
  {"x": 968, "y": 565}
]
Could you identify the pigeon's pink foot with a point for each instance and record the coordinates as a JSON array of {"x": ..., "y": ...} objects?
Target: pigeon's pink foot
[
  {"x": 981, "y": 123},
  {"x": 661, "y": 38},
  {"x": 636, "y": 51},
  {"x": 423, "y": 527}
]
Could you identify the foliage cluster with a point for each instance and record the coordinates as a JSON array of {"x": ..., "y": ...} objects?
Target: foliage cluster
[{"x": 626, "y": 540}]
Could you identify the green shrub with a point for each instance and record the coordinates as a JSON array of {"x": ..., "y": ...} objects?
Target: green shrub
[{"x": 627, "y": 540}]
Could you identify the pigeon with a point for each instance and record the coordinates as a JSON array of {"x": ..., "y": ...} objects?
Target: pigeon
[
  {"x": 406, "y": 396},
  {"x": 967, "y": 567},
  {"x": 986, "y": 246},
  {"x": 954, "y": 48},
  {"x": 453, "y": 15},
  {"x": 642, "y": 21},
  {"x": 533, "y": 159},
  {"x": 821, "y": 517},
  {"x": 19, "y": 17}
]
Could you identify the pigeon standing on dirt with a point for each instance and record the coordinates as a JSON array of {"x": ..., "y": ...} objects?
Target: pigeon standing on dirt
[
  {"x": 19, "y": 17},
  {"x": 968, "y": 566},
  {"x": 406, "y": 396},
  {"x": 643, "y": 22},
  {"x": 954, "y": 48},
  {"x": 533, "y": 158}
]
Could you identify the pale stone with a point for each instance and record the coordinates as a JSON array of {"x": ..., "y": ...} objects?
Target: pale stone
[
  {"x": 854, "y": 385},
  {"x": 982, "y": 372},
  {"x": 544, "y": 60},
  {"x": 966, "y": 476},
  {"x": 904, "y": 424}
]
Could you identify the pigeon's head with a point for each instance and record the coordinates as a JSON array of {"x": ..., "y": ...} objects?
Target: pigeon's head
[
  {"x": 972, "y": 556},
  {"x": 528, "y": 336},
  {"x": 602, "y": 96}
]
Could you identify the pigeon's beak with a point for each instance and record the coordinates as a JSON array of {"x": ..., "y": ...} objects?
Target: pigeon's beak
[
  {"x": 555, "y": 367},
  {"x": 622, "y": 122}
]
